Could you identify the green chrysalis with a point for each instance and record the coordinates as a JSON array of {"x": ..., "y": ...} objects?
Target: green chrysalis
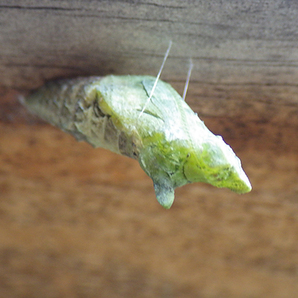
[{"x": 171, "y": 143}]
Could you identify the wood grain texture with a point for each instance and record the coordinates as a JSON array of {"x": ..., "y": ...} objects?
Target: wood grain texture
[{"x": 82, "y": 222}]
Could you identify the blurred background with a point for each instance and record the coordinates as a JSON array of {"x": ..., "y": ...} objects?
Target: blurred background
[{"x": 82, "y": 222}]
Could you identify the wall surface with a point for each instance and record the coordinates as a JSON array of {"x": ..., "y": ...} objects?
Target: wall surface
[{"x": 82, "y": 222}]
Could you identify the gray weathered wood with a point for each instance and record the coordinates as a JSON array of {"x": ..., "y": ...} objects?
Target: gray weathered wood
[
  {"x": 231, "y": 43},
  {"x": 245, "y": 53}
]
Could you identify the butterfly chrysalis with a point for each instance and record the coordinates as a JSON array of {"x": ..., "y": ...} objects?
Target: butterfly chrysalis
[{"x": 146, "y": 119}]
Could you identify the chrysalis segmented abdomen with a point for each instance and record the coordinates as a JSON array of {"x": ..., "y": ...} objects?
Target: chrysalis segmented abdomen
[{"x": 74, "y": 107}]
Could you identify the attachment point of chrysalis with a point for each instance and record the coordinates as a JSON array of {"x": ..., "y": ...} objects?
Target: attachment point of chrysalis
[
  {"x": 157, "y": 77},
  {"x": 187, "y": 79}
]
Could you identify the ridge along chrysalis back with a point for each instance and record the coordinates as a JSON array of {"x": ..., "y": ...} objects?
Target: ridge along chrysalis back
[{"x": 146, "y": 119}]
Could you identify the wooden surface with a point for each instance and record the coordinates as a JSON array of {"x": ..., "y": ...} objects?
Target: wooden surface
[{"x": 82, "y": 222}]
